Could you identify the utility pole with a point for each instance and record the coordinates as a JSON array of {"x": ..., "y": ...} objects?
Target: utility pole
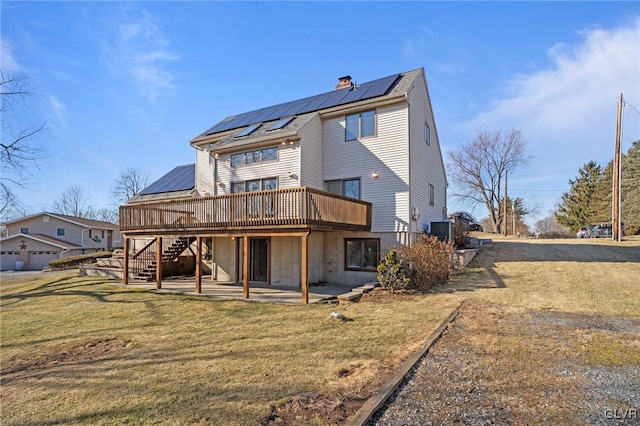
[
  {"x": 513, "y": 216},
  {"x": 504, "y": 220},
  {"x": 617, "y": 174}
]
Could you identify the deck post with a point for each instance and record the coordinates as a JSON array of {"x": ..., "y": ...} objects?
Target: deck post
[
  {"x": 304, "y": 267},
  {"x": 198, "y": 264},
  {"x": 158, "y": 262},
  {"x": 245, "y": 267},
  {"x": 125, "y": 265}
]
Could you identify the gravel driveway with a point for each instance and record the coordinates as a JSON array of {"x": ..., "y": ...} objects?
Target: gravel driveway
[{"x": 503, "y": 365}]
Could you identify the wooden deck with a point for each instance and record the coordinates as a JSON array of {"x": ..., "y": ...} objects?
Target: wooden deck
[{"x": 294, "y": 209}]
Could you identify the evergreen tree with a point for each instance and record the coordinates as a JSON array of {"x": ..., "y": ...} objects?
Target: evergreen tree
[
  {"x": 631, "y": 190},
  {"x": 577, "y": 209},
  {"x": 601, "y": 200}
]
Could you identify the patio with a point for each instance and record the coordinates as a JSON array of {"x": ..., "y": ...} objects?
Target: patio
[{"x": 259, "y": 291}]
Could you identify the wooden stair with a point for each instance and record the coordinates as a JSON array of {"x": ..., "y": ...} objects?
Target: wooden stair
[{"x": 169, "y": 255}]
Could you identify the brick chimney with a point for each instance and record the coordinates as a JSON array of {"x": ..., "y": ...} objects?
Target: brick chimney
[{"x": 344, "y": 82}]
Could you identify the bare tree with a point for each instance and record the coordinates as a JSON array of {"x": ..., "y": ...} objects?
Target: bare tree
[
  {"x": 130, "y": 183},
  {"x": 550, "y": 228},
  {"x": 18, "y": 154},
  {"x": 75, "y": 201},
  {"x": 478, "y": 169}
]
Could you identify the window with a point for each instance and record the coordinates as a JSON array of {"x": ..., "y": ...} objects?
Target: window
[
  {"x": 252, "y": 157},
  {"x": 432, "y": 195},
  {"x": 427, "y": 134},
  {"x": 254, "y": 185},
  {"x": 102, "y": 234},
  {"x": 60, "y": 232},
  {"x": 360, "y": 125},
  {"x": 24, "y": 230},
  {"x": 346, "y": 187},
  {"x": 237, "y": 159},
  {"x": 45, "y": 218},
  {"x": 361, "y": 254}
]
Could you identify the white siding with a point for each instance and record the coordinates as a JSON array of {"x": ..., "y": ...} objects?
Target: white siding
[
  {"x": 311, "y": 154},
  {"x": 427, "y": 166},
  {"x": 205, "y": 182},
  {"x": 386, "y": 153},
  {"x": 288, "y": 162}
]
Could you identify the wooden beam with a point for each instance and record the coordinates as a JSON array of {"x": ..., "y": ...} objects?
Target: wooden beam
[
  {"x": 245, "y": 267},
  {"x": 158, "y": 262},
  {"x": 304, "y": 266},
  {"x": 198, "y": 254},
  {"x": 125, "y": 266}
]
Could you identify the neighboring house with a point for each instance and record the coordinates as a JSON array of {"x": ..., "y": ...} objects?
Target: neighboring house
[
  {"x": 309, "y": 191},
  {"x": 38, "y": 239}
]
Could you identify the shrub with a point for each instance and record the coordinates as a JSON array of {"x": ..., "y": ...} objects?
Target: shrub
[
  {"x": 393, "y": 272},
  {"x": 431, "y": 262},
  {"x": 74, "y": 261}
]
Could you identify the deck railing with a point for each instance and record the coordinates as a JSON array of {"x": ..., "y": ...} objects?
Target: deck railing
[{"x": 281, "y": 208}]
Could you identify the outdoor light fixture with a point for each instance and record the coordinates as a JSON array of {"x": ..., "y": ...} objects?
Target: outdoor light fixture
[{"x": 375, "y": 175}]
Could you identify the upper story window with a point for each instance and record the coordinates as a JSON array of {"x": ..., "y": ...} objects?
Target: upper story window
[
  {"x": 346, "y": 187},
  {"x": 61, "y": 232},
  {"x": 360, "y": 125},
  {"x": 427, "y": 134},
  {"x": 254, "y": 185},
  {"x": 252, "y": 157},
  {"x": 24, "y": 230},
  {"x": 432, "y": 195}
]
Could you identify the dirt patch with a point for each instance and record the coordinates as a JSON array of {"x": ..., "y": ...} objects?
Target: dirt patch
[
  {"x": 94, "y": 349},
  {"x": 499, "y": 365}
]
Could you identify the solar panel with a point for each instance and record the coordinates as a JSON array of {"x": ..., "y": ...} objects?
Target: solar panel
[
  {"x": 280, "y": 123},
  {"x": 249, "y": 130},
  {"x": 179, "y": 179},
  {"x": 364, "y": 91}
]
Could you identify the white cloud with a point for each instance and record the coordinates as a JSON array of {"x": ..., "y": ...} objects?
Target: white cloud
[
  {"x": 58, "y": 109},
  {"x": 572, "y": 104},
  {"x": 138, "y": 49}
]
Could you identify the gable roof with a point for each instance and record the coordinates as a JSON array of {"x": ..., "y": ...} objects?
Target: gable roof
[
  {"x": 179, "y": 179},
  {"x": 386, "y": 87},
  {"x": 65, "y": 245},
  {"x": 80, "y": 221}
]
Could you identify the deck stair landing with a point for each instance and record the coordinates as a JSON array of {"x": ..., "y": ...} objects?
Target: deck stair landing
[{"x": 148, "y": 273}]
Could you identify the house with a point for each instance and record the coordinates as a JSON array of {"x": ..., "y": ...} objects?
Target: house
[
  {"x": 38, "y": 239},
  {"x": 309, "y": 191}
]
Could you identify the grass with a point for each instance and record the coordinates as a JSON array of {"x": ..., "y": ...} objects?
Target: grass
[{"x": 77, "y": 350}]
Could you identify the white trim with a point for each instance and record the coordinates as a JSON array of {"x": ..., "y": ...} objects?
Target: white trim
[{"x": 31, "y": 237}]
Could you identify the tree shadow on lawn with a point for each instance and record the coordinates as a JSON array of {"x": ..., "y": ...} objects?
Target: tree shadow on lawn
[{"x": 540, "y": 251}]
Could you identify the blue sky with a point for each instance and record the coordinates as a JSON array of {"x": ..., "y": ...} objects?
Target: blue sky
[{"x": 129, "y": 84}]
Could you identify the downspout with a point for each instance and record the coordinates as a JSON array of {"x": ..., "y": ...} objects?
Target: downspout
[{"x": 410, "y": 217}]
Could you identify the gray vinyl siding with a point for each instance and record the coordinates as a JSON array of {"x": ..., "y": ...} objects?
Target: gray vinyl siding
[
  {"x": 311, "y": 154},
  {"x": 288, "y": 162},
  {"x": 427, "y": 166},
  {"x": 205, "y": 183},
  {"x": 385, "y": 153}
]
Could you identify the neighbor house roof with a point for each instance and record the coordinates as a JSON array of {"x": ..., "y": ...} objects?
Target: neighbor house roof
[
  {"x": 80, "y": 221},
  {"x": 66, "y": 245},
  {"x": 287, "y": 118}
]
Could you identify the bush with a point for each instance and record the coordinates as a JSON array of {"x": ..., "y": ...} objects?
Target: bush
[
  {"x": 393, "y": 273},
  {"x": 431, "y": 262},
  {"x": 75, "y": 261}
]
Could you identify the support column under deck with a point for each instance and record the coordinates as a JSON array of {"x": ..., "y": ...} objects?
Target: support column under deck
[
  {"x": 198, "y": 264},
  {"x": 158, "y": 262},
  {"x": 245, "y": 267},
  {"x": 304, "y": 268},
  {"x": 125, "y": 265}
]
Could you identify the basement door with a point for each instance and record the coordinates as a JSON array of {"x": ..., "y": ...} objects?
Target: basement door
[{"x": 259, "y": 257}]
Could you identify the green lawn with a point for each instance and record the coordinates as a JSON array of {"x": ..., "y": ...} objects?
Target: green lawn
[{"x": 78, "y": 350}]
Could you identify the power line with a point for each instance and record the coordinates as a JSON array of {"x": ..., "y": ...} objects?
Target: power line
[{"x": 626, "y": 102}]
